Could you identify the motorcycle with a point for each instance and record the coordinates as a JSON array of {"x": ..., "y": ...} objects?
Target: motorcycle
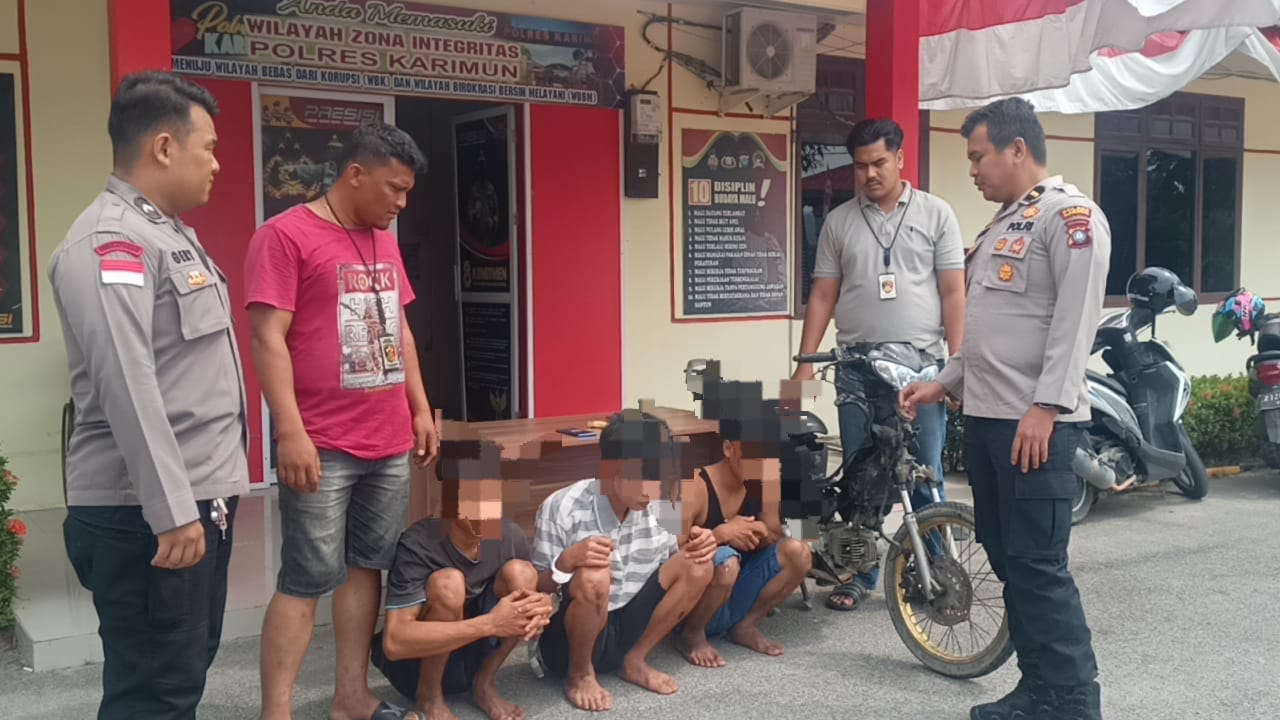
[
  {"x": 936, "y": 600},
  {"x": 1136, "y": 437},
  {"x": 1247, "y": 315}
]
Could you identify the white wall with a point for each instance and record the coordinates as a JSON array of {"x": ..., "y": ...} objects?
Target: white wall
[{"x": 71, "y": 157}]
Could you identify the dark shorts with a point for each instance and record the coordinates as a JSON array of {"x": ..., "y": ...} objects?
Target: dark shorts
[
  {"x": 463, "y": 664},
  {"x": 623, "y": 628}
]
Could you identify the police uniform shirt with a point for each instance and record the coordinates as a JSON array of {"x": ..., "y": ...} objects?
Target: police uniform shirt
[
  {"x": 1036, "y": 285},
  {"x": 851, "y": 249},
  {"x": 155, "y": 370}
]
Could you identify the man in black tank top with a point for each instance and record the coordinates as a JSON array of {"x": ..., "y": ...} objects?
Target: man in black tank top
[{"x": 757, "y": 567}]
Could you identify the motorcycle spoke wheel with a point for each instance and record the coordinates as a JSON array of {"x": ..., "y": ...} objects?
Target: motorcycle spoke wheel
[{"x": 964, "y": 632}]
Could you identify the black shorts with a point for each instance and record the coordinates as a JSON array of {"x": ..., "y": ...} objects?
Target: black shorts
[
  {"x": 623, "y": 628},
  {"x": 463, "y": 664}
]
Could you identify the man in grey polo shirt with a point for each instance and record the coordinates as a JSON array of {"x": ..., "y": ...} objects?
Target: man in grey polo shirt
[{"x": 890, "y": 268}]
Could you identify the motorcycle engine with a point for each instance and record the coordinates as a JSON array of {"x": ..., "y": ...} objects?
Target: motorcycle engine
[{"x": 852, "y": 548}]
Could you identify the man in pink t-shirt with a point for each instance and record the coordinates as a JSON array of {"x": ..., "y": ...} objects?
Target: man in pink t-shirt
[{"x": 338, "y": 364}]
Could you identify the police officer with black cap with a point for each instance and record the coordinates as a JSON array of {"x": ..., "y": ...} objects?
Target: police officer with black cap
[
  {"x": 1036, "y": 283},
  {"x": 159, "y": 451}
]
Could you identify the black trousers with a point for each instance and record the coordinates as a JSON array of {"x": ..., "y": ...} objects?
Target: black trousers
[
  {"x": 1024, "y": 522},
  {"x": 160, "y": 629}
]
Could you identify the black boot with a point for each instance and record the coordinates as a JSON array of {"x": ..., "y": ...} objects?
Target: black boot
[
  {"x": 1079, "y": 702},
  {"x": 1023, "y": 703}
]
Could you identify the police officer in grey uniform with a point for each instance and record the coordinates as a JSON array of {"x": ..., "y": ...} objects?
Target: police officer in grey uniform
[
  {"x": 1036, "y": 283},
  {"x": 158, "y": 455}
]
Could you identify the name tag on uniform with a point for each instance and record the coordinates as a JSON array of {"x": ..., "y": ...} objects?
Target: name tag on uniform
[
  {"x": 888, "y": 286},
  {"x": 122, "y": 272}
]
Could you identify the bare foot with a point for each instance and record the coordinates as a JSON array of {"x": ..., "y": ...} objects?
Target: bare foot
[
  {"x": 485, "y": 696},
  {"x": 698, "y": 651},
  {"x": 434, "y": 709},
  {"x": 585, "y": 693},
  {"x": 750, "y": 637},
  {"x": 639, "y": 672}
]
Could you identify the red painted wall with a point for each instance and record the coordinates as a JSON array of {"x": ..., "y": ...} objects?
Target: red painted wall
[
  {"x": 140, "y": 37},
  {"x": 576, "y": 212},
  {"x": 893, "y": 73},
  {"x": 225, "y": 225}
]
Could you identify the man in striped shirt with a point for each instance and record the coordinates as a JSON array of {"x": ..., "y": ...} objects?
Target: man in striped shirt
[{"x": 625, "y": 580}]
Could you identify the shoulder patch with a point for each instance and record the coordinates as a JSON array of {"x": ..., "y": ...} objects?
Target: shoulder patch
[
  {"x": 1079, "y": 233},
  {"x": 1076, "y": 212},
  {"x": 145, "y": 207},
  {"x": 119, "y": 246}
]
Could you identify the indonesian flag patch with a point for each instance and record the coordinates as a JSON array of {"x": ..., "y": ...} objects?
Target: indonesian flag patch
[{"x": 122, "y": 272}]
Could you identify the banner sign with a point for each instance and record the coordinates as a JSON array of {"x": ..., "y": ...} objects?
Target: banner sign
[
  {"x": 301, "y": 139},
  {"x": 735, "y": 223},
  {"x": 402, "y": 48}
]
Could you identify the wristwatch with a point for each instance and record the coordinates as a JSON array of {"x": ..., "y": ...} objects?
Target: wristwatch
[
  {"x": 1055, "y": 408},
  {"x": 558, "y": 577}
]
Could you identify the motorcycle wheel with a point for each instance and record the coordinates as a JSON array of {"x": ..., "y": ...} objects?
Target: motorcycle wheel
[
  {"x": 912, "y": 617},
  {"x": 1194, "y": 480},
  {"x": 1086, "y": 498}
]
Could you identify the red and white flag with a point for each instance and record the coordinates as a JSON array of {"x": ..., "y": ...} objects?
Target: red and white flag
[
  {"x": 1077, "y": 56},
  {"x": 122, "y": 272}
]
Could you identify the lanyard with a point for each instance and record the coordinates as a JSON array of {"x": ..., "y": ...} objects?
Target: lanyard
[
  {"x": 373, "y": 272},
  {"x": 876, "y": 235}
]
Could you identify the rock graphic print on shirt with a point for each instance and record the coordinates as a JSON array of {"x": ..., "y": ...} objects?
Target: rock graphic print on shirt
[{"x": 370, "y": 330}]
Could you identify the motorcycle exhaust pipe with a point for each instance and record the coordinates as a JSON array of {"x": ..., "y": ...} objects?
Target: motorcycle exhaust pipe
[{"x": 1087, "y": 466}]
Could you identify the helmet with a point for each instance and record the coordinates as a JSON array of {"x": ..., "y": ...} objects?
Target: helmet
[
  {"x": 1157, "y": 289},
  {"x": 1241, "y": 311}
]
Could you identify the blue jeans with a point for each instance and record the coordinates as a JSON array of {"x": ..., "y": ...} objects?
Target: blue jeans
[{"x": 931, "y": 427}]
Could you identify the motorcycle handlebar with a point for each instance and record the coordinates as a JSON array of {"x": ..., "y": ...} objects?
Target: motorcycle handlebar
[{"x": 822, "y": 357}]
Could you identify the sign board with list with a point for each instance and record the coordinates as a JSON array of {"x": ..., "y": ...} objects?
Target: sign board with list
[{"x": 734, "y": 249}]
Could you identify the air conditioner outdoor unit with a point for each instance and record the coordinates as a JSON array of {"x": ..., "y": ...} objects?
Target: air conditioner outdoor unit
[{"x": 769, "y": 53}]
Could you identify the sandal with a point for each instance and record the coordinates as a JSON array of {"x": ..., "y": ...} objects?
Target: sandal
[
  {"x": 853, "y": 591},
  {"x": 387, "y": 711}
]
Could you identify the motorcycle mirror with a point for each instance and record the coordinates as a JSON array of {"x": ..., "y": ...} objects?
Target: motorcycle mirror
[
  {"x": 1185, "y": 300},
  {"x": 694, "y": 372}
]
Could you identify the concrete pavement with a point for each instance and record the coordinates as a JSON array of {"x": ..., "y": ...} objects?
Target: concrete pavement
[{"x": 1181, "y": 596}]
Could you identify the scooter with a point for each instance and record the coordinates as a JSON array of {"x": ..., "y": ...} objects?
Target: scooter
[
  {"x": 1247, "y": 315},
  {"x": 1264, "y": 385},
  {"x": 1136, "y": 438}
]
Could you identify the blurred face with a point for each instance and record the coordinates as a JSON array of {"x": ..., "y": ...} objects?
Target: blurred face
[
  {"x": 631, "y": 489},
  {"x": 189, "y": 162},
  {"x": 381, "y": 192},
  {"x": 995, "y": 172},
  {"x": 877, "y": 170},
  {"x": 480, "y": 506}
]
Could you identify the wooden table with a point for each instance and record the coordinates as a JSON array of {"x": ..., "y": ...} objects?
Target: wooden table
[{"x": 553, "y": 460}]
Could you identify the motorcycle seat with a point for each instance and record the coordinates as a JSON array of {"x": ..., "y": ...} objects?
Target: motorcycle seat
[
  {"x": 1269, "y": 335},
  {"x": 1108, "y": 383}
]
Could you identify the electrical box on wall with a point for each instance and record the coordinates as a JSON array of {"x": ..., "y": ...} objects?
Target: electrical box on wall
[{"x": 643, "y": 136}]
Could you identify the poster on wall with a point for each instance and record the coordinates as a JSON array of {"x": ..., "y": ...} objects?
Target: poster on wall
[
  {"x": 484, "y": 203},
  {"x": 735, "y": 223},
  {"x": 404, "y": 48},
  {"x": 484, "y": 187},
  {"x": 14, "y": 288},
  {"x": 301, "y": 141},
  {"x": 486, "y": 345}
]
